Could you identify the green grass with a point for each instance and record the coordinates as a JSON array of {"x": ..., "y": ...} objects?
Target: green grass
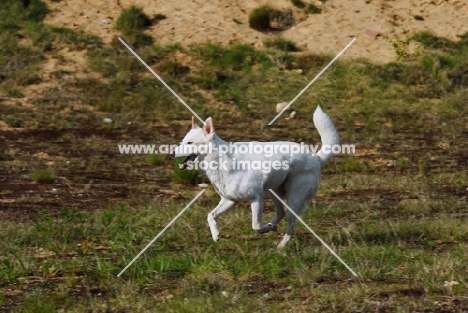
[
  {"x": 282, "y": 44},
  {"x": 395, "y": 212},
  {"x": 235, "y": 58},
  {"x": 44, "y": 177},
  {"x": 157, "y": 159},
  {"x": 185, "y": 267}
]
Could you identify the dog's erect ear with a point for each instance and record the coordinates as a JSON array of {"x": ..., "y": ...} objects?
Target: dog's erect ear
[
  {"x": 208, "y": 128},
  {"x": 194, "y": 125}
]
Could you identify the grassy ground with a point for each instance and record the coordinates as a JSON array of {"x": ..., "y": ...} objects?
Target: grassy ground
[{"x": 74, "y": 212}]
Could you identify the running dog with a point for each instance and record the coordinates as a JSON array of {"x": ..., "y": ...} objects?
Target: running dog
[{"x": 247, "y": 170}]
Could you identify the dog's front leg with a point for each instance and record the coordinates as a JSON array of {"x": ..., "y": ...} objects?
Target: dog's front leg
[
  {"x": 257, "y": 214},
  {"x": 223, "y": 206}
]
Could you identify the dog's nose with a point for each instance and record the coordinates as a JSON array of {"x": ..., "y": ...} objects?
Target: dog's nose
[{"x": 173, "y": 154}]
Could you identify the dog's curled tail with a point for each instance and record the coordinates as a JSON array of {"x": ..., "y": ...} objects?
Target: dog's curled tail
[{"x": 329, "y": 135}]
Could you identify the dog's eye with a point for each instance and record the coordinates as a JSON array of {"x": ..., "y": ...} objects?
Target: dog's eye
[{"x": 190, "y": 142}]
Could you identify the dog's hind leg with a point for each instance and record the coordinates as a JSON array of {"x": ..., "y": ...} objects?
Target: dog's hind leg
[
  {"x": 298, "y": 205},
  {"x": 279, "y": 212},
  {"x": 297, "y": 199},
  {"x": 289, "y": 231},
  {"x": 223, "y": 206}
]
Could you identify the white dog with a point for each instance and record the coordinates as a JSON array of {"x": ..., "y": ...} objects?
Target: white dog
[{"x": 246, "y": 171}]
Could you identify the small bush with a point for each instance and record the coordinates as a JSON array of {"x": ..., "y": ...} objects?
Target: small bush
[
  {"x": 44, "y": 177},
  {"x": 159, "y": 17},
  {"x": 259, "y": 19},
  {"x": 184, "y": 177},
  {"x": 131, "y": 23},
  {"x": 299, "y": 3},
  {"x": 37, "y": 10},
  {"x": 132, "y": 20},
  {"x": 282, "y": 44},
  {"x": 312, "y": 9}
]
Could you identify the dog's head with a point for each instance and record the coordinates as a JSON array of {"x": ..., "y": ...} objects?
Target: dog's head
[{"x": 195, "y": 143}]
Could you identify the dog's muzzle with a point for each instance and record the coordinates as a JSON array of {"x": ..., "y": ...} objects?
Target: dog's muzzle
[{"x": 184, "y": 164}]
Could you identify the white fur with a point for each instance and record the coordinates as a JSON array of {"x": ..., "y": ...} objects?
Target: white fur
[{"x": 297, "y": 185}]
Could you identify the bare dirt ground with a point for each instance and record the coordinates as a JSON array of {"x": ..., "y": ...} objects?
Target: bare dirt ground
[{"x": 196, "y": 21}]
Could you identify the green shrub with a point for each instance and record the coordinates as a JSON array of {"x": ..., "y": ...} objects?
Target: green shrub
[
  {"x": 159, "y": 17},
  {"x": 312, "y": 9},
  {"x": 132, "y": 20},
  {"x": 259, "y": 19},
  {"x": 282, "y": 44},
  {"x": 299, "y": 3},
  {"x": 37, "y": 10},
  {"x": 185, "y": 176},
  {"x": 44, "y": 177}
]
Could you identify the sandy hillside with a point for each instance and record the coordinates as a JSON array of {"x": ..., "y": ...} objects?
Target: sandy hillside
[{"x": 195, "y": 21}]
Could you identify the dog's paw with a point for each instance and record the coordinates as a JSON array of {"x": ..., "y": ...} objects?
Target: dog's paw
[
  {"x": 214, "y": 231},
  {"x": 215, "y": 235},
  {"x": 267, "y": 228},
  {"x": 284, "y": 242},
  {"x": 213, "y": 227},
  {"x": 272, "y": 227}
]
